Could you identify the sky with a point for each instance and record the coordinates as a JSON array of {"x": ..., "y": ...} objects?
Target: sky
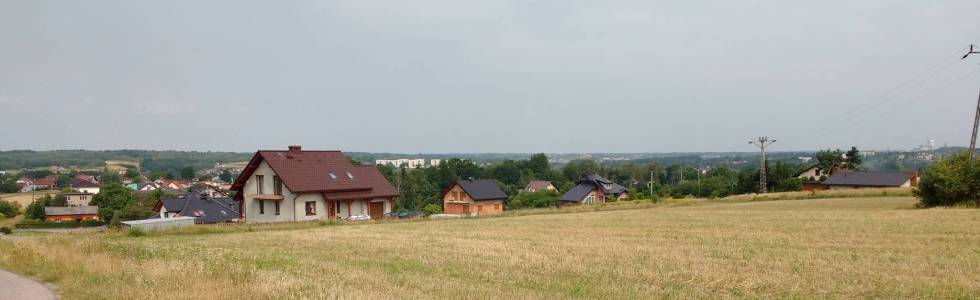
[{"x": 486, "y": 76}]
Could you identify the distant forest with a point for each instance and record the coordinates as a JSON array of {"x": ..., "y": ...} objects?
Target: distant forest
[
  {"x": 172, "y": 161},
  {"x": 162, "y": 161}
]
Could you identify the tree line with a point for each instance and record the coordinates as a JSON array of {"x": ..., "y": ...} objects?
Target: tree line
[{"x": 422, "y": 187}]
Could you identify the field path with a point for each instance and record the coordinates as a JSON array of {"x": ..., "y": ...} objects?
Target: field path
[{"x": 15, "y": 287}]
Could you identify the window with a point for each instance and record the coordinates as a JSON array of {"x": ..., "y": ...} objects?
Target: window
[
  {"x": 589, "y": 199},
  {"x": 332, "y": 176},
  {"x": 261, "y": 206},
  {"x": 259, "y": 182},
  {"x": 350, "y": 176},
  {"x": 276, "y": 185},
  {"x": 310, "y": 208},
  {"x": 277, "y": 208},
  {"x": 496, "y": 207}
]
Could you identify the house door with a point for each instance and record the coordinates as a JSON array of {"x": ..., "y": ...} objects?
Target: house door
[{"x": 376, "y": 210}]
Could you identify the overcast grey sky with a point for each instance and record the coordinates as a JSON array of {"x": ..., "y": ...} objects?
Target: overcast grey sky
[{"x": 485, "y": 76}]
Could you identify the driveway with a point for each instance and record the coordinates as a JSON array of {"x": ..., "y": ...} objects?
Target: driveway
[{"x": 15, "y": 287}]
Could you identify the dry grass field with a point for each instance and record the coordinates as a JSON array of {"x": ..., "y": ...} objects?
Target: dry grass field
[
  {"x": 121, "y": 165},
  {"x": 25, "y": 198},
  {"x": 822, "y": 248}
]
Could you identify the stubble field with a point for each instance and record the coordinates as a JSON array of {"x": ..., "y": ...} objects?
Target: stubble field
[{"x": 825, "y": 248}]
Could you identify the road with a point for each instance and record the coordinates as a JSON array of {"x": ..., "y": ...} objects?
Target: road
[{"x": 15, "y": 287}]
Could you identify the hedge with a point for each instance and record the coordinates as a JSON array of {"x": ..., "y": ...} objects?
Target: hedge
[{"x": 31, "y": 224}]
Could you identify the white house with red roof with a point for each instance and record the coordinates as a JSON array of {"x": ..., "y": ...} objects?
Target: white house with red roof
[{"x": 298, "y": 185}]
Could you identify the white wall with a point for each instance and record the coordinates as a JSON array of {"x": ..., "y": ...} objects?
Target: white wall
[
  {"x": 297, "y": 202},
  {"x": 289, "y": 200},
  {"x": 91, "y": 190},
  {"x": 360, "y": 207}
]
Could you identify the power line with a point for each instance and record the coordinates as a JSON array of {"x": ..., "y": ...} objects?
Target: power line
[
  {"x": 895, "y": 108},
  {"x": 976, "y": 118},
  {"x": 914, "y": 81}
]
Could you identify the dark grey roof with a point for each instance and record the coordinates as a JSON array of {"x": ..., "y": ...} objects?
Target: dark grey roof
[
  {"x": 203, "y": 208},
  {"x": 578, "y": 192},
  {"x": 867, "y": 178},
  {"x": 173, "y": 204},
  {"x": 482, "y": 189},
  {"x": 73, "y": 210},
  {"x": 607, "y": 186}
]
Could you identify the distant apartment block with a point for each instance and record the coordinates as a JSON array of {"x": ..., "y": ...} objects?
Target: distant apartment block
[{"x": 408, "y": 163}]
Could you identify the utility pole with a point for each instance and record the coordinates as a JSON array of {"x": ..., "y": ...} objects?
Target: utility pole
[
  {"x": 976, "y": 118},
  {"x": 762, "y": 143},
  {"x": 651, "y": 184},
  {"x": 699, "y": 181},
  {"x": 700, "y": 170}
]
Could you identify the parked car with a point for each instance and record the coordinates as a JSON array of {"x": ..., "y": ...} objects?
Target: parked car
[
  {"x": 359, "y": 218},
  {"x": 410, "y": 214}
]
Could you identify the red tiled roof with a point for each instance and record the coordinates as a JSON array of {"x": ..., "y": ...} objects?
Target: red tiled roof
[
  {"x": 309, "y": 172},
  {"x": 87, "y": 177},
  {"x": 49, "y": 181}
]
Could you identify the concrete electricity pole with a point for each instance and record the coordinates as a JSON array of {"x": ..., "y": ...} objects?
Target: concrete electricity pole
[
  {"x": 976, "y": 118},
  {"x": 762, "y": 143}
]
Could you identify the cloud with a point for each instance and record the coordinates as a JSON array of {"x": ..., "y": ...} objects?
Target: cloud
[
  {"x": 10, "y": 99},
  {"x": 167, "y": 107}
]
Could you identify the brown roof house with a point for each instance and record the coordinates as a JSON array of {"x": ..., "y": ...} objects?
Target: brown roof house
[
  {"x": 298, "y": 185},
  {"x": 539, "y": 185},
  {"x": 84, "y": 186},
  {"x": 473, "y": 197},
  {"x": 871, "y": 179},
  {"x": 68, "y": 214}
]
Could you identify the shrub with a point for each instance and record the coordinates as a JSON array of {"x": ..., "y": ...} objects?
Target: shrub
[
  {"x": 539, "y": 199},
  {"x": 949, "y": 182},
  {"x": 432, "y": 209},
  {"x": 115, "y": 221},
  {"x": 9, "y": 209},
  {"x": 34, "y": 224},
  {"x": 5, "y": 230},
  {"x": 90, "y": 223},
  {"x": 135, "y": 232}
]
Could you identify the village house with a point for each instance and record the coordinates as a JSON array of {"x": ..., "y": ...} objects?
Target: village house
[
  {"x": 26, "y": 184},
  {"x": 69, "y": 214},
  {"x": 539, "y": 185},
  {"x": 870, "y": 179},
  {"x": 78, "y": 199},
  {"x": 84, "y": 186},
  {"x": 170, "y": 184},
  {"x": 209, "y": 190},
  {"x": 298, "y": 185},
  {"x": 199, "y": 205},
  {"x": 593, "y": 189},
  {"x": 469, "y": 197},
  {"x": 149, "y": 187},
  {"x": 813, "y": 173},
  {"x": 86, "y": 177}
]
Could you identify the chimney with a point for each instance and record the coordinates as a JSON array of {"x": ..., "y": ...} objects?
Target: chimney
[{"x": 294, "y": 150}]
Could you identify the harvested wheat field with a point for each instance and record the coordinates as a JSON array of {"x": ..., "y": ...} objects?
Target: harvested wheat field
[{"x": 823, "y": 248}]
